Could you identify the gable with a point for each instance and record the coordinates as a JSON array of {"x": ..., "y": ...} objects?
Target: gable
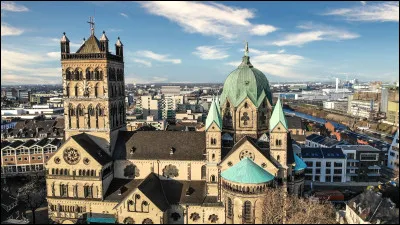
[
  {"x": 279, "y": 128},
  {"x": 245, "y": 148},
  {"x": 79, "y": 157},
  {"x": 213, "y": 127}
]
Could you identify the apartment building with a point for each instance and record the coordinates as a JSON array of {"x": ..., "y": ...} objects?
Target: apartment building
[{"x": 22, "y": 157}]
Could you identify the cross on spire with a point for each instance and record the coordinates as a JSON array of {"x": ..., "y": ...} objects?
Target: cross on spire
[{"x": 91, "y": 22}]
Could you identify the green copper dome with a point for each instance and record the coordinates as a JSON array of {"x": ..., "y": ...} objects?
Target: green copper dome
[
  {"x": 247, "y": 172},
  {"x": 246, "y": 81}
]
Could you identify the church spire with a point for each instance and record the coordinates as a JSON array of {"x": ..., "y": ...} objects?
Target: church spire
[
  {"x": 246, "y": 57},
  {"x": 213, "y": 115},
  {"x": 277, "y": 116},
  {"x": 246, "y": 49}
]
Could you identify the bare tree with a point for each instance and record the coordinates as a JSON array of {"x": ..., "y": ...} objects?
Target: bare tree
[
  {"x": 33, "y": 195},
  {"x": 295, "y": 210}
]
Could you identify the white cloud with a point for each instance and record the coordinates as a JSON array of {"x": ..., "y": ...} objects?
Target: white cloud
[
  {"x": 7, "y": 30},
  {"x": 54, "y": 55},
  {"x": 363, "y": 2},
  {"x": 28, "y": 68},
  {"x": 211, "y": 19},
  {"x": 281, "y": 51},
  {"x": 56, "y": 41},
  {"x": 210, "y": 52},
  {"x": 315, "y": 33},
  {"x": 262, "y": 29},
  {"x": 157, "y": 57},
  {"x": 124, "y": 15},
  {"x": 140, "y": 80},
  {"x": 282, "y": 65},
  {"x": 13, "y": 7},
  {"x": 374, "y": 12},
  {"x": 144, "y": 62}
]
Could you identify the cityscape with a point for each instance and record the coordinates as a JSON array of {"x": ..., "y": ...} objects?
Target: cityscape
[{"x": 200, "y": 112}]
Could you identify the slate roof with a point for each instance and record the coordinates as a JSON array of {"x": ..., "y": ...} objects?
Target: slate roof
[
  {"x": 175, "y": 191},
  {"x": 326, "y": 141},
  {"x": 374, "y": 207},
  {"x": 294, "y": 122},
  {"x": 225, "y": 153},
  {"x": 91, "y": 45},
  {"x": 157, "y": 145},
  {"x": 363, "y": 148},
  {"x": 326, "y": 153},
  {"x": 29, "y": 143},
  {"x": 153, "y": 189},
  {"x": 92, "y": 148}
]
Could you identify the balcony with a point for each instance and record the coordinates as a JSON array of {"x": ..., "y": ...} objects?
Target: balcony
[{"x": 374, "y": 167}]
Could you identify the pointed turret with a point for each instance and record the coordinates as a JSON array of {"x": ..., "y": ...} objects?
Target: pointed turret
[
  {"x": 277, "y": 116},
  {"x": 64, "y": 44},
  {"x": 104, "y": 42},
  {"x": 213, "y": 115},
  {"x": 119, "y": 48}
]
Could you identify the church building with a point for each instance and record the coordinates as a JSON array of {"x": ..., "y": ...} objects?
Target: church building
[{"x": 106, "y": 174}]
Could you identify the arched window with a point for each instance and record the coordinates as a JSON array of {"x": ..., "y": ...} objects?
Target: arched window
[
  {"x": 91, "y": 113},
  {"x": 68, "y": 74},
  {"x": 212, "y": 179},
  {"x": 228, "y": 105},
  {"x": 145, "y": 206},
  {"x": 80, "y": 172},
  {"x": 57, "y": 172},
  {"x": 67, "y": 89},
  {"x": 213, "y": 156},
  {"x": 76, "y": 90},
  {"x": 278, "y": 158},
  {"x": 96, "y": 90},
  {"x": 230, "y": 208},
  {"x": 247, "y": 212},
  {"x": 203, "y": 172},
  {"x": 246, "y": 105},
  {"x": 53, "y": 171}
]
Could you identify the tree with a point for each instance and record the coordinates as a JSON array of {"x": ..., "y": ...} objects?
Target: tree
[
  {"x": 295, "y": 210},
  {"x": 33, "y": 195}
]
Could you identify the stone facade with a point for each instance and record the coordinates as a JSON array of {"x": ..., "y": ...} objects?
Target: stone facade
[{"x": 107, "y": 175}]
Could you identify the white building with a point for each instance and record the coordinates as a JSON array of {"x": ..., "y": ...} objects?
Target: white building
[
  {"x": 170, "y": 90},
  {"x": 393, "y": 156},
  {"x": 149, "y": 121},
  {"x": 324, "y": 164},
  {"x": 362, "y": 108},
  {"x": 150, "y": 107}
]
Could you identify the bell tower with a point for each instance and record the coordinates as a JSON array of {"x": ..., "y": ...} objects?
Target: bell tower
[
  {"x": 213, "y": 148},
  {"x": 93, "y": 90}
]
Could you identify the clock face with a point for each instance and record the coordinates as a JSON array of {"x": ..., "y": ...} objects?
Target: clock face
[
  {"x": 246, "y": 153},
  {"x": 71, "y": 156}
]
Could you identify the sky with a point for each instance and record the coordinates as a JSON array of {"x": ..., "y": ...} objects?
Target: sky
[{"x": 203, "y": 42}]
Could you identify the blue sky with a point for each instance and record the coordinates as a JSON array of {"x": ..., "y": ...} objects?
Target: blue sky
[{"x": 204, "y": 41}]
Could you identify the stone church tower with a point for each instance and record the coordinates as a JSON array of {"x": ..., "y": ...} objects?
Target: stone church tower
[
  {"x": 246, "y": 101},
  {"x": 93, "y": 89}
]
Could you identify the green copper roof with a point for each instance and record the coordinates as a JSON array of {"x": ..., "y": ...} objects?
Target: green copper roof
[
  {"x": 213, "y": 115},
  {"x": 300, "y": 165},
  {"x": 218, "y": 104},
  {"x": 277, "y": 116},
  {"x": 246, "y": 81},
  {"x": 247, "y": 172}
]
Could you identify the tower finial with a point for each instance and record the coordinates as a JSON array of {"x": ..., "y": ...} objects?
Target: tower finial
[
  {"x": 246, "y": 49},
  {"x": 91, "y": 22}
]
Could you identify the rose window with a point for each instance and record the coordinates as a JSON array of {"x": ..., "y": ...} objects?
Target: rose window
[
  {"x": 246, "y": 153},
  {"x": 71, "y": 156}
]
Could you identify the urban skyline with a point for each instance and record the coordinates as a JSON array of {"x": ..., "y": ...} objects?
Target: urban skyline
[{"x": 288, "y": 41}]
